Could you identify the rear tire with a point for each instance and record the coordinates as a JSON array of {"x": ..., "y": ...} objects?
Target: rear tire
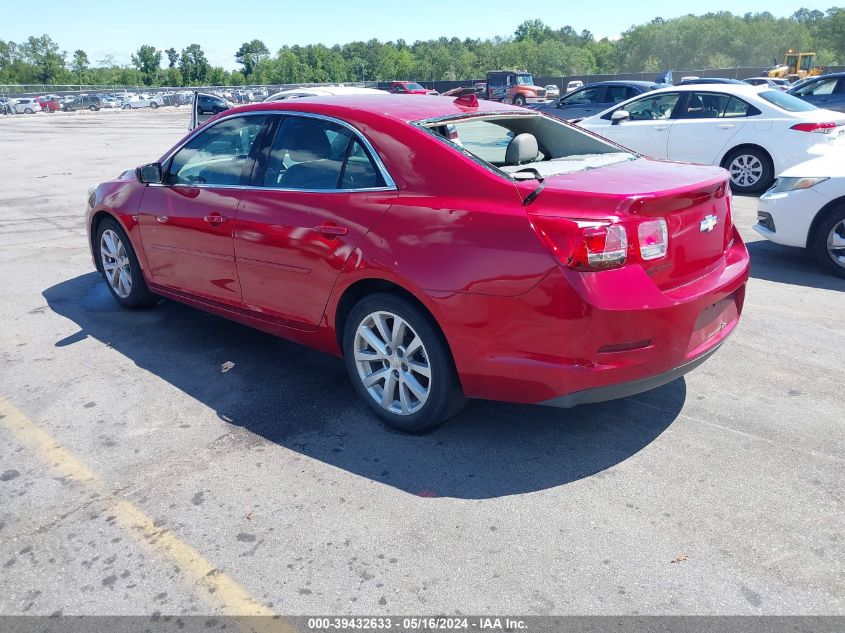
[
  {"x": 120, "y": 266},
  {"x": 750, "y": 168},
  {"x": 28, "y": 111},
  {"x": 828, "y": 242},
  {"x": 400, "y": 364},
  {"x": 154, "y": 105}
]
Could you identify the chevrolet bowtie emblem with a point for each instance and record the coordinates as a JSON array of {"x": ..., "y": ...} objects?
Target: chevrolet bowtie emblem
[{"x": 708, "y": 223}]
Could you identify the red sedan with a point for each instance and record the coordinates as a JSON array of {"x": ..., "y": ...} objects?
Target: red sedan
[
  {"x": 409, "y": 88},
  {"x": 446, "y": 249}
]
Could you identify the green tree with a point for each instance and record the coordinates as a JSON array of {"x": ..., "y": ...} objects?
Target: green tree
[
  {"x": 172, "y": 57},
  {"x": 193, "y": 65},
  {"x": 79, "y": 64},
  {"x": 43, "y": 53},
  {"x": 147, "y": 60},
  {"x": 250, "y": 54}
]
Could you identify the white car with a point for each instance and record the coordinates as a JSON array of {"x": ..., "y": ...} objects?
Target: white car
[
  {"x": 574, "y": 85},
  {"x": 321, "y": 91},
  {"x": 752, "y": 133},
  {"x": 552, "y": 91},
  {"x": 142, "y": 101},
  {"x": 25, "y": 106},
  {"x": 806, "y": 208}
]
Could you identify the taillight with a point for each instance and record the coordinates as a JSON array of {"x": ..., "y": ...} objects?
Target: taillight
[
  {"x": 654, "y": 239},
  {"x": 818, "y": 128},
  {"x": 590, "y": 245}
]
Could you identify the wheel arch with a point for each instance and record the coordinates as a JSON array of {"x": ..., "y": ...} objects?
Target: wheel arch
[
  {"x": 360, "y": 288},
  {"x": 96, "y": 218},
  {"x": 723, "y": 162},
  {"x": 825, "y": 211}
]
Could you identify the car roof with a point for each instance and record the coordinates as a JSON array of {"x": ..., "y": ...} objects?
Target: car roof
[
  {"x": 741, "y": 88},
  {"x": 623, "y": 82},
  {"x": 404, "y": 108}
]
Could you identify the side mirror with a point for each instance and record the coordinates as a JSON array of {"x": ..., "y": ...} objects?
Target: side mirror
[
  {"x": 149, "y": 174},
  {"x": 620, "y": 115}
]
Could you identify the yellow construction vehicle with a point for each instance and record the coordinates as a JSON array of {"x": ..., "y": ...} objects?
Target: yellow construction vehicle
[{"x": 795, "y": 66}]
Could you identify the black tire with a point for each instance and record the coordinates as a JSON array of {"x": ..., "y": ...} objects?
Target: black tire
[
  {"x": 153, "y": 105},
  {"x": 519, "y": 100},
  {"x": 139, "y": 296},
  {"x": 126, "y": 106},
  {"x": 445, "y": 397},
  {"x": 834, "y": 219},
  {"x": 740, "y": 177},
  {"x": 28, "y": 111}
]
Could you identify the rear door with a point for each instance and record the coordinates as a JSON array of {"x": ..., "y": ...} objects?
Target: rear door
[
  {"x": 317, "y": 190},
  {"x": 705, "y": 124},
  {"x": 647, "y": 129}
]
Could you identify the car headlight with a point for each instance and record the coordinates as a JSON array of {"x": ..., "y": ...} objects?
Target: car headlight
[{"x": 794, "y": 184}]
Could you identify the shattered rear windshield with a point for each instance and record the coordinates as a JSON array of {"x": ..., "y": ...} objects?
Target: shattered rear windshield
[{"x": 527, "y": 143}]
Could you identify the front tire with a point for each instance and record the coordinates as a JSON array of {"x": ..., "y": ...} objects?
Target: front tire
[
  {"x": 750, "y": 168},
  {"x": 400, "y": 364},
  {"x": 828, "y": 242},
  {"x": 120, "y": 266},
  {"x": 519, "y": 100},
  {"x": 154, "y": 105},
  {"x": 29, "y": 111}
]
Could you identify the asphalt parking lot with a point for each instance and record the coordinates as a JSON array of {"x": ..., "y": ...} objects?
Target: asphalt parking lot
[{"x": 137, "y": 477}]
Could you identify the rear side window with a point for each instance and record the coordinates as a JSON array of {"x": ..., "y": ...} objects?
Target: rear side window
[
  {"x": 618, "y": 94},
  {"x": 708, "y": 105},
  {"x": 313, "y": 155},
  {"x": 588, "y": 95}
]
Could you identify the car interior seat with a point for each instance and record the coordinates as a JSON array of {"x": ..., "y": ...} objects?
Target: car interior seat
[
  {"x": 523, "y": 148},
  {"x": 314, "y": 168}
]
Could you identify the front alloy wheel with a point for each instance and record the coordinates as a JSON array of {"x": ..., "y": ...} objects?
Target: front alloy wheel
[
  {"x": 120, "y": 266},
  {"x": 400, "y": 364}
]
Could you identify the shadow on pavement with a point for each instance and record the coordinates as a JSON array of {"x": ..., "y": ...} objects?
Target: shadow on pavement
[
  {"x": 789, "y": 265},
  {"x": 302, "y": 400}
]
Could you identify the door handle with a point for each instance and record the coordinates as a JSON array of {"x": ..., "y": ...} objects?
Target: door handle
[
  {"x": 216, "y": 219},
  {"x": 332, "y": 230},
  {"x": 725, "y": 126},
  {"x": 162, "y": 219},
  {"x": 661, "y": 129}
]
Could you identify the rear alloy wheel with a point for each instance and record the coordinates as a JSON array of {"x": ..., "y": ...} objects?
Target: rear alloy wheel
[
  {"x": 400, "y": 364},
  {"x": 29, "y": 111},
  {"x": 519, "y": 100},
  {"x": 120, "y": 266},
  {"x": 93, "y": 108},
  {"x": 750, "y": 168},
  {"x": 829, "y": 242}
]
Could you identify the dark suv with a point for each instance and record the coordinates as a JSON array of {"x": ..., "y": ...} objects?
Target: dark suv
[
  {"x": 82, "y": 102},
  {"x": 826, "y": 91},
  {"x": 209, "y": 104},
  {"x": 593, "y": 98}
]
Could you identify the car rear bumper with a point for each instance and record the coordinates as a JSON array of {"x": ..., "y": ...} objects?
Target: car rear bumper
[
  {"x": 587, "y": 337},
  {"x": 630, "y": 388}
]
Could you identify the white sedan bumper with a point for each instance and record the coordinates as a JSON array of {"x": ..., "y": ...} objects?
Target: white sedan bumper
[{"x": 785, "y": 217}]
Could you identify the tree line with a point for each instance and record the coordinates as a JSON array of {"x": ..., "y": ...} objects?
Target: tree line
[{"x": 713, "y": 40}]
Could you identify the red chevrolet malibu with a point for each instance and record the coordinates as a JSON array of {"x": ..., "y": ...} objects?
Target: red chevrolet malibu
[{"x": 446, "y": 249}]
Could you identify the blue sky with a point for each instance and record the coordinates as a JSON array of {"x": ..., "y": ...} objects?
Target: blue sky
[{"x": 119, "y": 27}]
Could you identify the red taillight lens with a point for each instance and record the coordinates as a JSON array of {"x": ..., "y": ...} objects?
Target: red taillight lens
[
  {"x": 583, "y": 244},
  {"x": 818, "y": 128}
]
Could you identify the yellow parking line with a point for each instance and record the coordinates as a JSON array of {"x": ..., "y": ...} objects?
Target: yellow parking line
[{"x": 221, "y": 590}]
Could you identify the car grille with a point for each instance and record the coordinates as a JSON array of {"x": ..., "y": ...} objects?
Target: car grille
[{"x": 541, "y": 92}]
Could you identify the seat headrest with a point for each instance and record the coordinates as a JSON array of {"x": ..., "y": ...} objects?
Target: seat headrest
[
  {"x": 308, "y": 141},
  {"x": 522, "y": 149}
]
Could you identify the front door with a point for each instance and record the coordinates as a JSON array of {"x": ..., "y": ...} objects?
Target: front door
[
  {"x": 318, "y": 190},
  {"x": 187, "y": 222},
  {"x": 647, "y": 130}
]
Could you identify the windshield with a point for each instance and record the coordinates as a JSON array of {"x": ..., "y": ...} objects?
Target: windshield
[
  {"x": 786, "y": 102},
  {"x": 525, "y": 80},
  {"x": 527, "y": 143}
]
